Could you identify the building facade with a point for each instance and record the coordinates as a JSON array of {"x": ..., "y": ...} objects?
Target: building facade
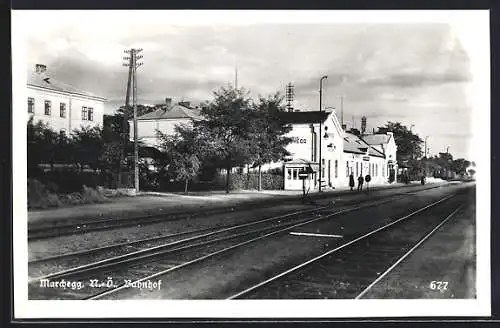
[
  {"x": 342, "y": 153},
  {"x": 64, "y": 107},
  {"x": 164, "y": 120}
]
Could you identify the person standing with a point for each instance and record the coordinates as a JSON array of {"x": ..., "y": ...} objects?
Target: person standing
[
  {"x": 351, "y": 181},
  {"x": 360, "y": 183}
]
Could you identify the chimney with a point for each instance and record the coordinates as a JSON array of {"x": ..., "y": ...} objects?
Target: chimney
[
  {"x": 363, "y": 124},
  {"x": 168, "y": 102},
  {"x": 185, "y": 104},
  {"x": 40, "y": 68}
]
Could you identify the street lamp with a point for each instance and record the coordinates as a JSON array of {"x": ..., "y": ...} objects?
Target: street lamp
[{"x": 320, "y": 124}]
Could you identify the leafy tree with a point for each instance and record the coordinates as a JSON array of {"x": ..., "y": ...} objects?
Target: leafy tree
[
  {"x": 409, "y": 144},
  {"x": 88, "y": 145},
  {"x": 227, "y": 127},
  {"x": 460, "y": 165},
  {"x": 116, "y": 144},
  {"x": 183, "y": 153},
  {"x": 268, "y": 133},
  {"x": 128, "y": 111}
]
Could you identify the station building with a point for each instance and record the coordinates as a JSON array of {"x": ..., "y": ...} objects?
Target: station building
[{"x": 342, "y": 152}]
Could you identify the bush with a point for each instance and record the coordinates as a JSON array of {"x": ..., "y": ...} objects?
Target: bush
[
  {"x": 250, "y": 181},
  {"x": 41, "y": 197}
]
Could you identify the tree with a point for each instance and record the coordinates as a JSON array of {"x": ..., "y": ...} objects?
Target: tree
[
  {"x": 128, "y": 111},
  {"x": 88, "y": 146},
  {"x": 268, "y": 133},
  {"x": 116, "y": 140},
  {"x": 460, "y": 165},
  {"x": 227, "y": 126},
  {"x": 409, "y": 144},
  {"x": 182, "y": 154}
]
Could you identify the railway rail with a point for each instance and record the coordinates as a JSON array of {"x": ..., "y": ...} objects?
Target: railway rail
[
  {"x": 350, "y": 270},
  {"x": 173, "y": 256}
]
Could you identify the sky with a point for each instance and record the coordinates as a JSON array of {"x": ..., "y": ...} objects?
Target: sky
[{"x": 413, "y": 73}]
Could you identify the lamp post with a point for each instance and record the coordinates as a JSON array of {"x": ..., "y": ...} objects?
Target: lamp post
[{"x": 320, "y": 130}]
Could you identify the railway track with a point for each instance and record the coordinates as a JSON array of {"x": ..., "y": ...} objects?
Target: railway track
[
  {"x": 171, "y": 256},
  {"x": 65, "y": 263},
  {"x": 350, "y": 270},
  {"x": 56, "y": 229}
]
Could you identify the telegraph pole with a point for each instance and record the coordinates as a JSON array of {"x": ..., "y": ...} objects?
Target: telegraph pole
[{"x": 133, "y": 65}]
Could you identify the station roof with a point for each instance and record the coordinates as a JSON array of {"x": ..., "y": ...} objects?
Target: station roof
[
  {"x": 44, "y": 80},
  {"x": 356, "y": 145},
  {"x": 304, "y": 117},
  {"x": 376, "y": 139}
]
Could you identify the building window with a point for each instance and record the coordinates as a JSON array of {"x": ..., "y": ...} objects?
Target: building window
[
  {"x": 336, "y": 169},
  {"x": 31, "y": 105},
  {"x": 357, "y": 170},
  {"x": 322, "y": 167},
  {"x": 90, "y": 114},
  {"x": 295, "y": 174},
  {"x": 314, "y": 146},
  {"x": 84, "y": 113},
  {"x": 62, "y": 110},
  {"x": 346, "y": 168},
  {"x": 48, "y": 106},
  {"x": 289, "y": 174}
]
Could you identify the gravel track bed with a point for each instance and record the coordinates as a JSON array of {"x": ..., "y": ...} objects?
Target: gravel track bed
[{"x": 68, "y": 244}]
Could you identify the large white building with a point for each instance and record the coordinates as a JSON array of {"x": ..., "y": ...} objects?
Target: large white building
[
  {"x": 164, "y": 120},
  {"x": 64, "y": 107},
  {"x": 342, "y": 153}
]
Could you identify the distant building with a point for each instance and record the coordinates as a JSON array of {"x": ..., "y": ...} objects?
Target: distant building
[
  {"x": 165, "y": 120},
  {"x": 64, "y": 107},
  {"x": 386, "y": 144}
]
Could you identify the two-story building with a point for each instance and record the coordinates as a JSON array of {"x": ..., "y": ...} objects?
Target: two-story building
[
  {"x": 64, "y": 107},
  {"x": 165, "y": 120},
  {"x": 342, "y": 152},
  {"x": 304, "y": 148}
]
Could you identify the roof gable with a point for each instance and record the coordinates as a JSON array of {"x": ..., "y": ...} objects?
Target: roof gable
[{"x": 173, "y": 112}]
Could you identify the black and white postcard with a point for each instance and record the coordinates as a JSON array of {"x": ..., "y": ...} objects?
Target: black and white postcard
[{"x": 251, "y": 164}]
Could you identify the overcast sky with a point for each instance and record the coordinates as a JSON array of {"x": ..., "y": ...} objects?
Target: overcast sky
[{"x": 415, "y": 74}]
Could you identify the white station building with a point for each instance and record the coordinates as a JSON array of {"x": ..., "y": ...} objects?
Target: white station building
[{"x": 342, "y": 153}]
